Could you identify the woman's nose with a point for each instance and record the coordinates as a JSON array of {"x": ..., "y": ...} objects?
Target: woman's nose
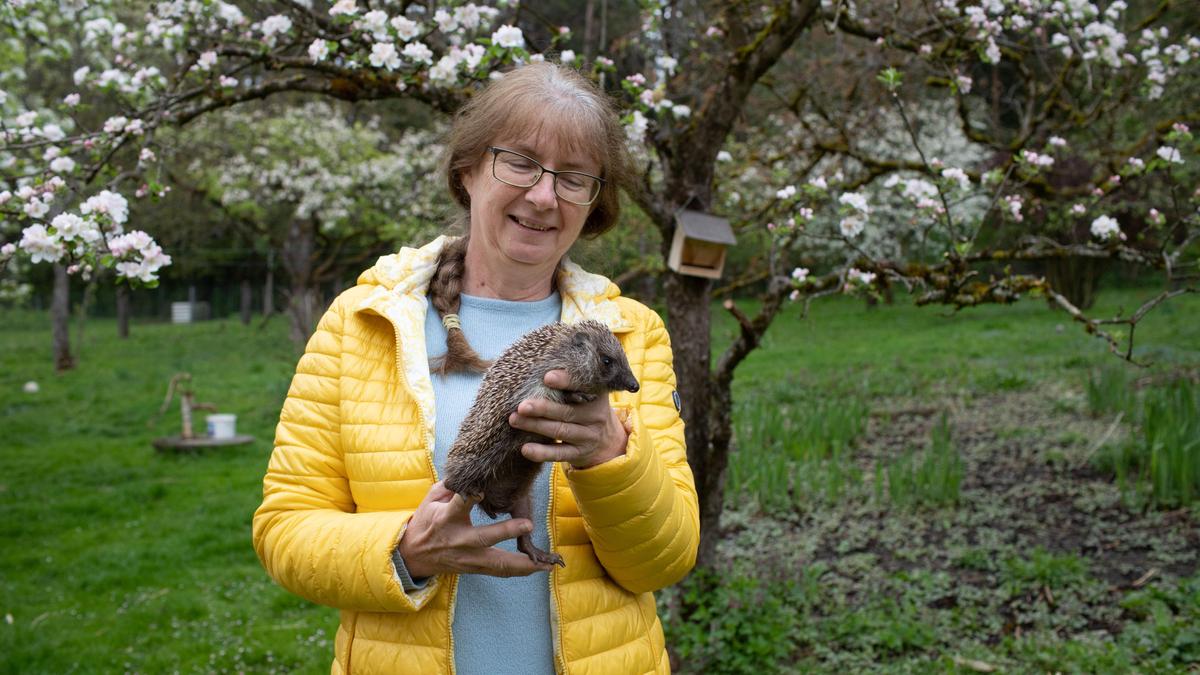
[{"x": 541, "y": 194}]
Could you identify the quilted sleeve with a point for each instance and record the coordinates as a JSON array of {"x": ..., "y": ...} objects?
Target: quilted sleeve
[
  {"x": 306, "y": 531},
  {"x": 641, "y": 510}
]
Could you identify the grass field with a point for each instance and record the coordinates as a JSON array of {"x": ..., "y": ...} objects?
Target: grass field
[{"x": 867, "y": 556}]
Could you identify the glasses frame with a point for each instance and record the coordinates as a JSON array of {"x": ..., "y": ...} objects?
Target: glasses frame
[{"x": 495, "y": 150}]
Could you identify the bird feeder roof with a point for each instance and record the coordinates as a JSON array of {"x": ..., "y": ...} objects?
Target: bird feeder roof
[{"x": 705, "y": 226}]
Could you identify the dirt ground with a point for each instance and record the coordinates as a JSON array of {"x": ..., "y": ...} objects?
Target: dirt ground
[{"x": 1039, "y": 541}]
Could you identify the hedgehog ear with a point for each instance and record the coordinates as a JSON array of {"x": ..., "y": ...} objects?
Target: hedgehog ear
[{"x": 580, "y": 341}]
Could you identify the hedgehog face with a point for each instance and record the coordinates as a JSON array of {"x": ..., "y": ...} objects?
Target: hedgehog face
[{"x": 604, "y": 366}]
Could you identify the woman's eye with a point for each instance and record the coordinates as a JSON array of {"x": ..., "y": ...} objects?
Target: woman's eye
[
  {"x": 520, "y": 165},
  {"x": 571, "y": 182}
]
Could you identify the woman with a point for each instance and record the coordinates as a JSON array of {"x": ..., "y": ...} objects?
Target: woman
[{"x": 353, "y": 514}]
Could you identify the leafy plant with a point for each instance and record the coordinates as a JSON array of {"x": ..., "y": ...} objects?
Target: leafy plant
[
  {"x": 733, "y": 625},
  {"x": 1043, "y": 568}
]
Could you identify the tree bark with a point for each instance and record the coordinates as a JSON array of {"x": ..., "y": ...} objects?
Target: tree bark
[
  {"x": 269, "y": 286},
  {"x": 123, "y": 310},
  {"x": 297, "y": 258},
  {"x": 690, "y": 322},
  {"x": 589, "y": 31},
  {"x": 247, "y": 301},
  {"x": 60, "y": 316}
]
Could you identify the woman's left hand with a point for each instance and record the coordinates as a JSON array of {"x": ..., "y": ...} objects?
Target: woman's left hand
[{"x": 590, "y": 433}]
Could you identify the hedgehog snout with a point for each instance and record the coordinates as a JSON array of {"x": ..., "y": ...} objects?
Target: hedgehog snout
[{"x": 625, "y": 382}]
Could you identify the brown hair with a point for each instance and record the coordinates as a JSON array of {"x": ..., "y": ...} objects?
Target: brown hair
[{"x": 526, "y": 101}]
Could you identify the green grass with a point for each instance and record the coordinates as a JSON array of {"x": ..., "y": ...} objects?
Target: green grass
[
  {"x": 929, "y": 479},
  {"x": 117, "y": 558}
]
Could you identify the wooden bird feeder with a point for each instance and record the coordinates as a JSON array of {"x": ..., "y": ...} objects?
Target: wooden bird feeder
[{"x": 698, "y": 248}]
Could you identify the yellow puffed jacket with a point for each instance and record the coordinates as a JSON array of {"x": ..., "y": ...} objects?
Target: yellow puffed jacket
[{"x": 354, "y": 457}]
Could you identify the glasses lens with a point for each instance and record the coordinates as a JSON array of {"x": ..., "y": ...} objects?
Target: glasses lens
[
  {"x": 577, "y": 188},
  {"x": 520, "y": 171},
  {"x": 515, "y": 169}
]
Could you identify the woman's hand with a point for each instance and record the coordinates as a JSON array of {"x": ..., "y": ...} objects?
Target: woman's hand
[
  {"x": 440, "y": 538},
  {"x": 590, "y": 433}
]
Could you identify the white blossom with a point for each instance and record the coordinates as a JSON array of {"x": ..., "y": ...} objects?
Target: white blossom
[
  {"x": 1105, "y": 227},
  {"x": 207, "y": 60},
  {"x": 383, "y": 55},
  {"x": 41, "y": 245},
  {"x": 375, "y": 22},
  {"x": 109, "y": 203},
  {"x": 318, "y": 51},
  {"x": 1169, "y": 154},
  {"x": 508, "y": 36},
  {"x": 344, "y": 7},
  {"x": 275, "y": 25},
  {"x": 852, "y": 226},
  {"x": 417, "y": 52},
  {"x": 957, "y": 175},
  {"x": 445, "y": 21},
  {"x": 115, "y": 124},
  {"x": 406, "y": 28},
  {"x": 855, "y": 275},
  {"x": 445, "y": 71},
  {"x": 53, "y": 132},
  {"x": 856, "y": 201},
  {"x": 62, "y": 165}
]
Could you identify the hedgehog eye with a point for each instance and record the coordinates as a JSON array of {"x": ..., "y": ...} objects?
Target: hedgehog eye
[{"x": 606, "y": 361}]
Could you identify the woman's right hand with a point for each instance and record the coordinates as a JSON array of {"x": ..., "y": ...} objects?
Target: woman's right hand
[{"x": 440, "y": 538}]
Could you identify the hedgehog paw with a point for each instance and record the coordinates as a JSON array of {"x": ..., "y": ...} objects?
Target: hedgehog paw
[
  {"x": 537, "y": 555},
  {"x": 574, "y": 397}
]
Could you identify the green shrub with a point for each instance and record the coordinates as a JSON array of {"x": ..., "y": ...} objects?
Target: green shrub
[{"x": 733, "y": 625}]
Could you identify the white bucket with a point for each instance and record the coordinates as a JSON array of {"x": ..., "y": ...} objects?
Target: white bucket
[
  {"x": 182, "y": 312},
  {"x": 222, "y": 426}
]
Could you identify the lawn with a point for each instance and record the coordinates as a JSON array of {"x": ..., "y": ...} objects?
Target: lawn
[{"x": 868, "y": 555}]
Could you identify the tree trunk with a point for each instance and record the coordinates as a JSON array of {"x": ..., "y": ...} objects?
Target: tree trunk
[
  {"x": 589, "y": 31},
  {"x": 302, "y": 293},
  {"x": 123, "y": 310},
  {"x": 60, "y": 316},
  {"x": 247, "y": 301},
  {"x": 688, "y": 316},
  {"x": 1075, "y": 278},
  {"x": 269, "y": 286}
]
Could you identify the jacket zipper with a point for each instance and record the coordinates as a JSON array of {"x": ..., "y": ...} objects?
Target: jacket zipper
[
  {"x": 555, "y": 627},
  {"x": 433, "y": 472}
]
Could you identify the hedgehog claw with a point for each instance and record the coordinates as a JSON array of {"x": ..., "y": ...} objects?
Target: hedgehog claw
[{"x": 537, "y": 555}]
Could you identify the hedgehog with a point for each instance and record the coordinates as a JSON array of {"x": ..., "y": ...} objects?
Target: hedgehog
[{"x": 485, "y": 459}]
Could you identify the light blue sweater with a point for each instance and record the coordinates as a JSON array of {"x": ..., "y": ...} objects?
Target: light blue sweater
[{"x": 501, "y": 626}]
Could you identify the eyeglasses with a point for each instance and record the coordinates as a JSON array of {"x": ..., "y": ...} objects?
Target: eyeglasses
[{"x": 517, "y": 170}]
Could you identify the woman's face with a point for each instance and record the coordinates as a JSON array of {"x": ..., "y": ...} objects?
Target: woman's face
[{"x": 528, "y": 227}]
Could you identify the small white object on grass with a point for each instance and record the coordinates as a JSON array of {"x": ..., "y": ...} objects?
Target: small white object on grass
[{"x": 31, "y": 387}]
